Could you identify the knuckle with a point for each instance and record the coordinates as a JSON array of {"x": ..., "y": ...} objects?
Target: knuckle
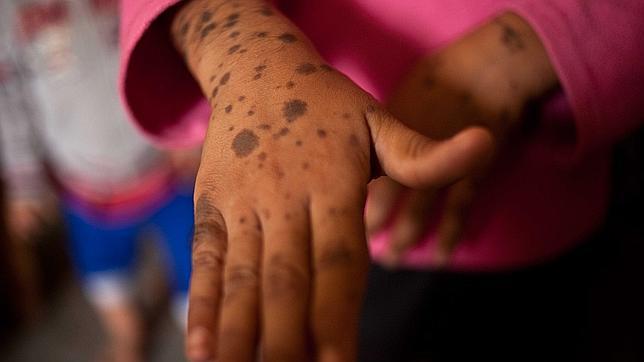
[
  {"x": 284, "y": 278},
  {"x": 240, "y": 277},
  {"x": 337, "y": 255},
  {"x": 211, "y": 260}
]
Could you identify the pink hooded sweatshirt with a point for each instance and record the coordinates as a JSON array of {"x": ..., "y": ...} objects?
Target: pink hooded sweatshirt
[{"x": 543, "y": 198}]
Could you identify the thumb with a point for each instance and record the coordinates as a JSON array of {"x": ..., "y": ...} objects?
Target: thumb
[{"x": 417, "y": 161}]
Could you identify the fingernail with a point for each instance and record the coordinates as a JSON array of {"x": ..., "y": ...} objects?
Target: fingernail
[{"x": 198, "y": 345}]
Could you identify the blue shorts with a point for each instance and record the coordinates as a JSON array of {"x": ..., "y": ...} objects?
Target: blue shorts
[{"x": 99, "y": 248}]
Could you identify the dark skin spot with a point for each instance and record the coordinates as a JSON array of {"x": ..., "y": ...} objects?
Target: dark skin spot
[
  {"x": 206, "y": 16},
  {"x": 321, "y": 133},
  {"x": 305, "y": 166},
  {"x": 241, "y": 98},
  {"x": 245, "y": 143},
  {"x": 281, "y": 133},
  {"x": 294, "y": 109},
  {"x": 511, "y": 38},
  {"x": 224, "y": 79},
  {"x": 212, "y": 78},
  {"x": 429, "y": 82},
  {"x": 250, "y": 113},
  {"x": 298, "y": 143},
  {"x": 243, "y": 51},
  {"x": 266, "y": 11},
  {"x": 261, "y": 34},
  {"x": 220, "y": 65},
  {"x": 333, "y": 211},
  {"x": 353, "y": 140},
  {"x": 261, "y": 156},
  {"x": 261, "y": 165},
  {"x": 231, "y": 128},
  {"x": 184, "y": 29},
  {"x": 234, "y": 49},
  {"x": 257, "y": 76},
  {"x": 228, "y": 108},
  {"x": 306, "y": 69},
  {"x": 260, "y": 68},
  {"x": 214, "y": 92},
  {"x": 346, "y": 115},
  {"x": 264, "y": 126},
  {"x": 287, "y": 38},
  {"x": 234, "y": 34},
  {"x": 207, "y": 29},
  {"x": 287, "y": 196},
  {"x": 287, "y": 216},
  {"x": 233, "y": 17},
  {"x": 242, "y": 220},
  {"x": 326, "y": 67},
  {"x": 230, "y": 24},
  {"x": 290, "y": 84},
  {"x": 371, "y": 108}
]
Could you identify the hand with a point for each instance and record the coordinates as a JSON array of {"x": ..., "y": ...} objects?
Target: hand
[
  {"x": 279, "y": 253},
  {"x": 485, "y": 79}
]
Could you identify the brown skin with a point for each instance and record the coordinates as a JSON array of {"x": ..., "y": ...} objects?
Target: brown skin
[
  {"x": 487, "y": 78},
  {"x": 279, "y": 252}
]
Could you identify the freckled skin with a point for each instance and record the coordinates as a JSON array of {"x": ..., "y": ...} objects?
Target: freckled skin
[
  {"x": 282, "y": 132},
  {"x": 290, "y": 85},
  {"x": 241, "y": 98},
  {"x": 250, "y": 113},
  {"x": 264, "y": 126},
  {"x": 294, "y": 109},
  {"x": 326, "y": 67},
  {"x": 233, "y": 49},
  {"x": 207, "y": 29},
  {"x": 257, "y": 76},
  {"x": 244, "y": 143},
  {"x": 346, "y": 115},
  {"x": 206, "y": 16},
  {"x": 305, "y": 166},
  {"x": 266, "y": 11},
  {"x": 511, "y": 38},
  {"x": 228, "y": 108},
  {"x": 321, "y": 133},
  {"x": 298, "y": 143},
  {"x": 306, "y": 69},
  {"x": 261, "y": 34},
  {"x": 224, "y": 79},
  {"x": 287, "y": 38},
  {"x": 260, "y": 68},
  {"x": 234, "y": 34},
  {"x": 262, "y": 156},
  {"x": 214, "y": 92},
  {"x": 231, "y": 128}
]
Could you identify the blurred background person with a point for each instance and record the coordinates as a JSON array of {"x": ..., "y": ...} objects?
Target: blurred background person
[{"x": 60, "y": 107}]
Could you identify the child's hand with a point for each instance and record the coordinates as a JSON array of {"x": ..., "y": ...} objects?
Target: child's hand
[
  {"x": 486, "y": 79},
  {"x": 279, "y": 254}
]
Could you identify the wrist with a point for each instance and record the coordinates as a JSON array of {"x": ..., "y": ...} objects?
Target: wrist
[{"x": 229, "y": 46}]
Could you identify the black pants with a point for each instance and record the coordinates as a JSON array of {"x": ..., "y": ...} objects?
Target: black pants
[{"x": 537, "y": 314}]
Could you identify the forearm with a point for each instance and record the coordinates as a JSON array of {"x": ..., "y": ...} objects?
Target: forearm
[{"x": 227, "y": 44}]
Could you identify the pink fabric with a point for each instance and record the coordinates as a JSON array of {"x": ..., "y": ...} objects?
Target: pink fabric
[{"x": 541, "y": 200}]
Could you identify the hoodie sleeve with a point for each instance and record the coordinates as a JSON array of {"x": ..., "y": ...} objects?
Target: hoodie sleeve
[
  {"x": 158, "y": 91},
  {"x": 597, "y": 49}
]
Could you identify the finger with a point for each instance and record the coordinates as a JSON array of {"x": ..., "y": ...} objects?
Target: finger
[
  {"x": 384, "y": 193},
  {"x": 340, "y": 263},
  {"x": 239, "y": 320},
  {"x": 285, "y": 284},
  {"x": 208, "y": 252},
  {"x": 450, "y": 229},
  {"x": 419, "y": 162},
  {"x": 409, "y": 226}
]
